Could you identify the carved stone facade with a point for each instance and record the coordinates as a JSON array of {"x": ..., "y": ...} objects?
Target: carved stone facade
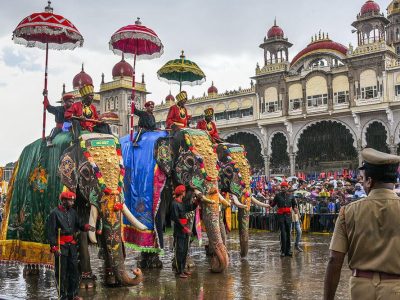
[{"x": 354, "y": 89}]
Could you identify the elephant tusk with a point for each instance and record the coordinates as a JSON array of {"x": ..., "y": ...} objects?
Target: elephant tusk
[
  {"x": 223, "y": 201},
  {"x": 237, "y": 203},
  {"x": 259, "y": 203},
  {"x": 92, "y": 222},
  {"x": 131, "y": 218},
  {"x": 202, "y": 197}
]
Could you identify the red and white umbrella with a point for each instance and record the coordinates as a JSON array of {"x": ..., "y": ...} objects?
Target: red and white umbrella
[
  {"x": 47, "y": 30},
  {"x": 137, "y": 41}
]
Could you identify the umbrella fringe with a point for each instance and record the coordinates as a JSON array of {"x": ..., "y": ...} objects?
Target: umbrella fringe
[
  {"x": 138, "y": 57},
  {"x": 51, "y": 31},
  {"x": 190, "y": 83},
  {"x": 40, "y": 45}
]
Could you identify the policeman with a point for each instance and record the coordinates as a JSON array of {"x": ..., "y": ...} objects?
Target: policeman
[
  {"x": 62, "y": 224},
  {"x": 182, "y": 231},
  {"x": 368, "y": 230},
  {"x": 285, "y": 203}
]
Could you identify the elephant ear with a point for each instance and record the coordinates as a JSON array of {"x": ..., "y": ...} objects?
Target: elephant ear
[
  {"x": 163, "y": 155},
  {"x": 188, "y": 172},
  {"x": 67, "y": 169}
]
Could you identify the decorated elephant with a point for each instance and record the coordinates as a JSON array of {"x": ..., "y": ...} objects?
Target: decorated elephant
[
  {"x": 93, "y": 169},
  {"x": 186, "y": 158},
  {"x": 235, "y": 179}
]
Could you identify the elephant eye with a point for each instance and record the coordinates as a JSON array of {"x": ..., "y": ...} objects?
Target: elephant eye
[
  {"x": 228, "y": 171},
  {"x": 189, "y": 161}
]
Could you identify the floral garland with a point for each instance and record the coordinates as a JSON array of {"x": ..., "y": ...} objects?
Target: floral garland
[
  {"x": 235, "y": 168},
  {"x": 99, "y": 176},
  {"x": 198, "y": 157}
]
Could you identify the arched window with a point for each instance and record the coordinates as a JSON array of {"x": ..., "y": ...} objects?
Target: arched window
[{"x": 116, "y": 103}]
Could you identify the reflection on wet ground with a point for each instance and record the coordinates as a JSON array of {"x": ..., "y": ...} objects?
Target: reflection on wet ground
[{"x": 263, "y": 275}]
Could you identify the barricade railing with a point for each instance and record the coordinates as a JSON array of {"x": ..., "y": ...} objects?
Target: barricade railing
[{"x": 318, "y": 222}]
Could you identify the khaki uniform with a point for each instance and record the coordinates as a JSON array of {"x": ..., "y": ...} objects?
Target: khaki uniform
[{"x": 368, "y": 231}]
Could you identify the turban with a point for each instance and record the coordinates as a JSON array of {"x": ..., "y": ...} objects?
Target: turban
[
  {"x": 86, "y": 90},
  {"x": 181, "y": 96},
  {"x": 179, "y": 190},
  {"x": 284, "y": 183},
  {"x": 209, "y": 112},
  {"x": 68, "y": 195},
  {"x": 148, "y": 103}
]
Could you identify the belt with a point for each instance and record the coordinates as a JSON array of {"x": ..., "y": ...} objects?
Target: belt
[
  {"x": 370, "y": 275},
  {"x": 67, "y": 239},
  {"x": 284, "y": 210}
]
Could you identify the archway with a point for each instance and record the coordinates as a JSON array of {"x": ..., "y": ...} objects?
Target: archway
[
  {"x": 376, "y": 137},
  {"x": 252, "y": 146},
  {"x": 279, "y": 160},
  {"x": 326, "y": 145}
]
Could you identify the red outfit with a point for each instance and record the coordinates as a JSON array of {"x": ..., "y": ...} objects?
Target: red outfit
[
  {"x": 76, "y": 110},
  {"x": 177, "y": 116},
  {"x": 211, "y": 128}
]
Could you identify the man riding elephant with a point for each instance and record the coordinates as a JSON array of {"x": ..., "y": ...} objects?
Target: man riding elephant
[{"x": 209, "y": 125}]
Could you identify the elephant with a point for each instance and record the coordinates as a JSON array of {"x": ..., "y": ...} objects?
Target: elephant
[
  {"x": 160, "y": 163},
  {"x": 93, "y": 168},
  {"x": 38, "y": 179},
  {"x": 234, "y": 178}
]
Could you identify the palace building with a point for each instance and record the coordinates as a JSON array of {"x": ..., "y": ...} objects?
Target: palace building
[{"x": 310, "y": 113}]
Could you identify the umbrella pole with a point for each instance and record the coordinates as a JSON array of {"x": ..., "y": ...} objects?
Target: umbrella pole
[
  {"x": 133, "y": 95},
  {"x": 180, "y": 82},
  {"x": 45, "y": 94}
]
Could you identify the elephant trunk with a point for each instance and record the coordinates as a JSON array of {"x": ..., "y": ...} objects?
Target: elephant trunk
[
  {"x": 243, "y": 217},
  {"x": 210, "y": 212},
  {"x": 237, "y": 202},
  {"x": 126, "y": 280}
]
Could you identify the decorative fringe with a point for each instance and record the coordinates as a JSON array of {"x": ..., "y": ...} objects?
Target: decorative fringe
[
  {"x": 144, "y": 249},
  {"x": 26, "y": 265}
]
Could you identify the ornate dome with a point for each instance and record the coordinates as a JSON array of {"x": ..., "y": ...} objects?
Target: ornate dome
[
  {"x": 275, "y": 32},
  {"x": 81, "y": 79},
  {"x": 370, "y": 7},
  {"x": 323, "y": 44},
  {"x": 169, "y": 98},
  {"x": 212, "y": 89},
  {"x": 122, "y": 68}
]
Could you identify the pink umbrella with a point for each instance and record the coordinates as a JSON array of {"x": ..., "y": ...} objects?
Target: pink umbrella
[
  {"x": 47, "y": 30},
  {"x": 136, "y": 41}
]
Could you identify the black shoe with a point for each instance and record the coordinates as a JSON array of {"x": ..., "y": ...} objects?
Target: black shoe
[
  {"x": 289, "y": 254},
  {"x": 282, "y": 254},
  {"x": 298, "y": 248}
]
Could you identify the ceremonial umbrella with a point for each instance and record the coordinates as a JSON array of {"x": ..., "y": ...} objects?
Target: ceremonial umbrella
[
  {"x": 138, "y": 41},
  {"x": 47, "y": 30},
  {"x": 181, "y": 71}
]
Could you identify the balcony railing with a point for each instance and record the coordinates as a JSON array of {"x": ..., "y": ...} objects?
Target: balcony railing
[
  {"x": 274, "y": 114},
  {"x": 369, "y": 101},
  {"x": 319, "y": 108}
]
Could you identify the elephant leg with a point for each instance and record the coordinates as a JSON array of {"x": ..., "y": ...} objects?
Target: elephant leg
[{"x": 88, "y": 279}]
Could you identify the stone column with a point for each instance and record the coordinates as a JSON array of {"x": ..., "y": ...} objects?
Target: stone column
[
  {"x": 360, "y": 160},
  {"x": 266, "y": 159},
  {"x": 292, "y": 158}
]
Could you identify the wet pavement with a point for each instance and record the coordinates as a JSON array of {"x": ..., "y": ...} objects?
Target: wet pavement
[{"x": 262, "y": 275}]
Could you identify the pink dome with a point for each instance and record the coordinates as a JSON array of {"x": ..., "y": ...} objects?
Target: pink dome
[
  {"x": 212, "y": 89},
  {"x": 369, "y": 7},
  {"x": 169, "y": 98},
  {"x": 122, "y": 68},
  {"x": 81, "y": 79},
  {"x": 275, "y": 31}
]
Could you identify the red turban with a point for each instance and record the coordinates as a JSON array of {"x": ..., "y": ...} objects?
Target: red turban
[
  {"x": 68, "y": 96},
  {"x": 148, "y": 103},
  {"x": 67, "y": 195},
  {"x": 284, "y": 183},
  {"x": 179, "y": 190}
]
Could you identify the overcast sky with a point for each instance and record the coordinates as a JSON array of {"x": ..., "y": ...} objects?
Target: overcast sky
[{"x": 221, "y": 36}]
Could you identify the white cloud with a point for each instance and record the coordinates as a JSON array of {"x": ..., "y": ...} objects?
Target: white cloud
[{"x": 221, "y": 36}]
